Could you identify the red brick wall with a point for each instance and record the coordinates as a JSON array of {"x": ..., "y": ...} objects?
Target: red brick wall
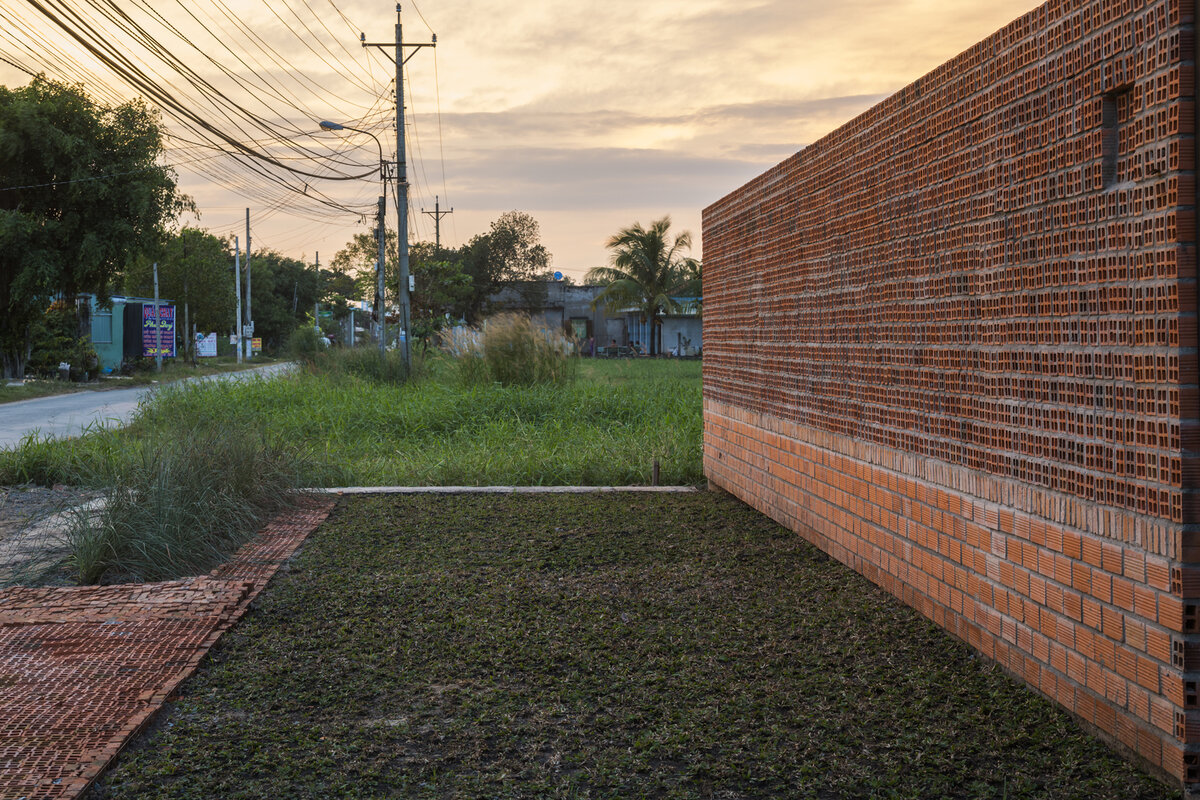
[{"x": 954, "y": 344}]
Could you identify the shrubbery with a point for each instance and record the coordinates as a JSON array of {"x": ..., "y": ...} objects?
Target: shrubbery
[
  {"x": 182, "y": 502},
  {"x": 55, "y": 339},
  {"x": 305, "y": 344},
  {"x": 510, "y": 350}
]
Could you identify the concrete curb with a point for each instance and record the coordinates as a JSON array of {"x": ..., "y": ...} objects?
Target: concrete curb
[{"x": 501, "y": 489}]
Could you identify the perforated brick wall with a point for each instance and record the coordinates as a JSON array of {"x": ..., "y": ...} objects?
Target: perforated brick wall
[{"x": 954, "y": 344}]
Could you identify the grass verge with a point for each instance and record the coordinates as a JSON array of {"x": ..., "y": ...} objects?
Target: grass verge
[
  {"x": 598, "y": 646},
  {"x": 180, "y": 504},
  {"x": 606, "y": 427},
  {"x": 173, "y": 370}
]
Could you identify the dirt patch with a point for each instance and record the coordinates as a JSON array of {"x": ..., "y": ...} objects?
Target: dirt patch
[{"x": 33, "y": 523}]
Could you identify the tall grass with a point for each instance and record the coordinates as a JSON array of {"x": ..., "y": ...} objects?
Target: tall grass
[
  {"x": 606, "y": 427},
  {"x": 510, "y": 350},
  {"x": 305, "y": 344},
  {"x": 181, "y": 503},
  {"x": 365, "y": 363},
  {"x": 45, "y": 461}
]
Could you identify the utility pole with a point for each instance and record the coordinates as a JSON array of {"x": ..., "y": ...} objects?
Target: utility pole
[
  {"x": 157, "y": 325},
  {"x": 237, "y": 283},
  {"x": 317, "y": 301},
  {"x": 249, "y": 313},
  {"x": 401, "y": 170},
  {"x": 380, "y": 266},
  {"x": 437, "y": 215}
]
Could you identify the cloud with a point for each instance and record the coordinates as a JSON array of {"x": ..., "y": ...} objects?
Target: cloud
[
  {"x": 590, "y": 114},
  {"x": 595, "y": 178}
]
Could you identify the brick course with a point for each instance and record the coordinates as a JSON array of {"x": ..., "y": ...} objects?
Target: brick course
[{"x": 954, "y": 344}]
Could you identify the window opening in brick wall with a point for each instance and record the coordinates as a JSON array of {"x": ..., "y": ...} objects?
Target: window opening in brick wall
[{"x": 1115, "y": 114}]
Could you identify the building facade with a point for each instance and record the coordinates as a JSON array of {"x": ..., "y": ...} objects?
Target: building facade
[{"x": 954, "y": 344}]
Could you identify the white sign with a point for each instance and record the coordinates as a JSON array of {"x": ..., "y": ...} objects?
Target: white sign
[{"x": 206, "y": 346}]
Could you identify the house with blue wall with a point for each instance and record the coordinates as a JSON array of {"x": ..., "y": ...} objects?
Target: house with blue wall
[{"x": 123, "y": 329}]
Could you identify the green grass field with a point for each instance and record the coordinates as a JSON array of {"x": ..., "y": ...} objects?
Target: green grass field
[
  {"x": 599, "y": 646},
  {"x": 606, "y": 427}
]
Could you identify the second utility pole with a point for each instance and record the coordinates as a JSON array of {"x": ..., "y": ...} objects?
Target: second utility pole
[
  {"x": 437, "y": 215},
  {"x": 401, "y": 174}
]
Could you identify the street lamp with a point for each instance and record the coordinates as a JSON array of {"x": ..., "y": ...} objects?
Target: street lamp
[{"x": 379, "y": 286}]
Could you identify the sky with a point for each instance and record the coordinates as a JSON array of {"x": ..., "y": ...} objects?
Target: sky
[{"x": 591, "y": 116}]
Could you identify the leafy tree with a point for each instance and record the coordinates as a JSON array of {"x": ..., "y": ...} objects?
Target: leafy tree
[
  {"x": 442, "y": 289},
  {"x": 357, "y": 259},
  {"x": 515, "y": 251},
  {"x": 194, "y": 271},
  {"x": 339, "y": 288},
  {"x": 648, "y": 271},
  {"x": 458, "y": 282},
  {"x": 284, "y": 290},
  {"x": 82, "y": 194},
  {"x": 509, "y": 253}
]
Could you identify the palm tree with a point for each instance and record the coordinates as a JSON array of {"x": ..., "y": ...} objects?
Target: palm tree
[{"x": 647, "y": 269}]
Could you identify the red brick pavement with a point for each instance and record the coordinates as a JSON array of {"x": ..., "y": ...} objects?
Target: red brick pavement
[{"x": 82, "y": 669}]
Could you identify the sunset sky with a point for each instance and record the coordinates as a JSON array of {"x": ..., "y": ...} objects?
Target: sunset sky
[{"x": 588, "y": 115}]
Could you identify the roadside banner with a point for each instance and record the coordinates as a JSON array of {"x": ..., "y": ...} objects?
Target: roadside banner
[
  {"x": 151, "y": 328},
  {"x": 256, "y": 344},
  {"x": 206, "y": 345}
]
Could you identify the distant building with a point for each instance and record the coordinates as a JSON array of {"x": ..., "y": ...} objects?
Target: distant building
[
  {"x": 117, "y": 330},
  {"x": 565, "y": 307}
]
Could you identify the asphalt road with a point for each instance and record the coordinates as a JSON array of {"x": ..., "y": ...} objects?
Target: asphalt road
[{"x": 70, "y": 414}]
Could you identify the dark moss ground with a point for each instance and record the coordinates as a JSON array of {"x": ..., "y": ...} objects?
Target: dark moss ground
[{"x": 598, "y": 646}]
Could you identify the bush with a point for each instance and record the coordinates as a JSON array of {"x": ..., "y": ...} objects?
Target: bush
[
  {"x": 512, "y": 351},
  {"x": 367, "y": 364},
  {"x": 55, "y": 339},
  {"x": 182, "y": 503},
  {"x": 305, "y": 344},
  {"x": 364, "y": 363}
]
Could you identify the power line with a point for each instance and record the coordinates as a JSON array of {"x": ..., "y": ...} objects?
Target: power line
[{"x": 222, "y": 123}]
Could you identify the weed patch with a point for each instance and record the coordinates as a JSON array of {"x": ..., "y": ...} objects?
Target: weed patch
[
  {"x": 510, "y": 350},
  {"x": 180, "y": 503},
  {"x": 607, "y": 427},
  {"x": 599, "y": 647}
]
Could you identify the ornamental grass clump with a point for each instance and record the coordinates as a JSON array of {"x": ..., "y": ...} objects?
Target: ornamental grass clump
[
  {"x": 182, "y": 503},
  {"x": 510, "y": 350}
]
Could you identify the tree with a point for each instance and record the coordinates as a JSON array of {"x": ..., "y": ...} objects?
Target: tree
[
  {"x": 194, "y": 271},
  {"x": 82, "y": 194},
  {"x": 442, "y": 289},
  {"x": 648, "y": 272},
  {"x": 514, "y": 248},
  {"x": 357, "y": 259},
  {"x": 284, "y": 292},
  {"x": 458, "y": 282},
  {"x": 509, "y": 253}
]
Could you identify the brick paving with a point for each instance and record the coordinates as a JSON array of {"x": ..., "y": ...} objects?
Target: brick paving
[{"x": 83, "y": 669}]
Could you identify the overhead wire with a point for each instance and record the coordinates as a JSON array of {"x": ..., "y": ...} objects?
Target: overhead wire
[
  {"x": 209, "y": 130},
  {"x": 114, "y": 59},
  {"x": 437, "y": 88}
]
